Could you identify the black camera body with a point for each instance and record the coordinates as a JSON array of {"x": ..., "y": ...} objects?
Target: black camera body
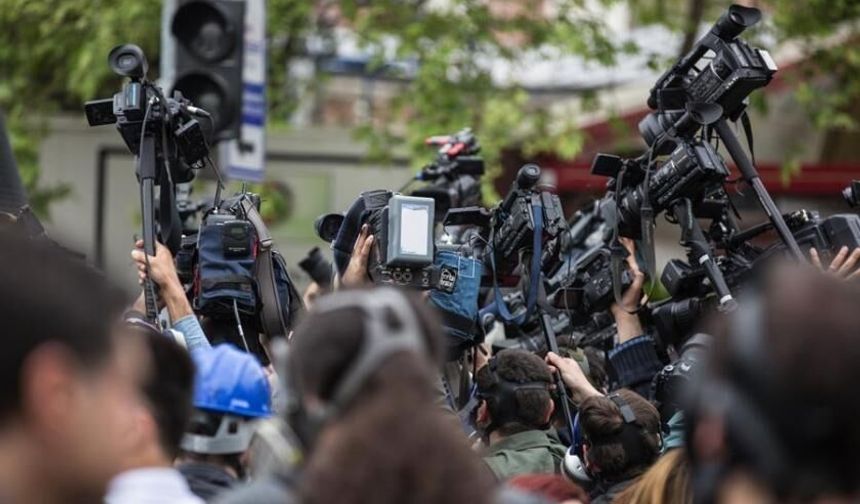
[
  {"x": 588, "y": 289},
  {"x": 454, "y": 176},
  {"x": 390, "y": 219},
  {"x": 693, "y": 170},
  {"x": 141, "y": 105},
  {"x": 513, "y": 224},
  {"x": 732, "y": 73},
  {"x": 826, "y": 235},
  {"x": 318, "y": 268}
]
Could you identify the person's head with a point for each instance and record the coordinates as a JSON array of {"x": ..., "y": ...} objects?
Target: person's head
[
  {"x": 552, "y": 487},
  {"x": 775, "y": 418},
  {"x": 231, "y": 392},
  {"x": 69, "y": 383},
  {"x": 514, "y": 388},
  {"x": 328, "y": 343},
  {"x": 362, "y": 368},
  {"x": 621, "y": 434},
  {"x": 667, "y": 481},
  {"x": 166, "y": 392}
]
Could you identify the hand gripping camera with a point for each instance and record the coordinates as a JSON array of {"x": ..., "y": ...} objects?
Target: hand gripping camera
[{"x": 403, "y": 248}]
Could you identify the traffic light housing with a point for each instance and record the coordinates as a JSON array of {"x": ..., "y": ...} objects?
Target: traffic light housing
[{"x": 207, "y": 39}]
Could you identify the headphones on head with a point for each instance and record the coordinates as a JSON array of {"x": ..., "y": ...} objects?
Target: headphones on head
[
  {"x": 390, "y": 327},
  {"x": 501, "y": 395},
  {"x": 574, "y": 460}
]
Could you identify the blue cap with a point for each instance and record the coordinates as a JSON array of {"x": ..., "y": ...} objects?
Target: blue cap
[{"x": 231, "y": 381}]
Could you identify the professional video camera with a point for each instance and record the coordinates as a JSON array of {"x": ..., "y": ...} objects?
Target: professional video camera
[
  {"x": 527, "y": 220},
  {"x": 720, "y": 69},
  {"x": 164, "y": 136},
  {"x": 403, "y": 248},
  {"x": 455, "y": 173},
  {"x": 235, "y": 277}
]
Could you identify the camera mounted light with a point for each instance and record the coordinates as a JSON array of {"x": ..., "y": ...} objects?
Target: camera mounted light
[
  {"x": 737, "y": 19},
  {"x": 128, "y": 60}
]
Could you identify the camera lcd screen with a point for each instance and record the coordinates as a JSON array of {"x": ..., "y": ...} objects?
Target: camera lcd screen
[
  {"x": 410, "y": 230},
  {"x": 414, "y": 224}
]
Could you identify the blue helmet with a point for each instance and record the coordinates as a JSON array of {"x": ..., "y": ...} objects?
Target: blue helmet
[
  {"x": 232, "y": 388},
  {"x": 232, "y": 382}
]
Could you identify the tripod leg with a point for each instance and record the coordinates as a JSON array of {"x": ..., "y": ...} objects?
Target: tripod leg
[{"x": 751, "y": 176}]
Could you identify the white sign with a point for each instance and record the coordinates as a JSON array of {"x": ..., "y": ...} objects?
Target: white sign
[{"x": 246, "y": 157}]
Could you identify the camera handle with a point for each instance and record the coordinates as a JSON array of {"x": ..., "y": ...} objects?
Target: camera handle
[
  {"x": 146, "y": 172},
  {"x": 751, "y": 176},
  {"x": 700, "y": 253},
  {"x": 552, "y": 345}
]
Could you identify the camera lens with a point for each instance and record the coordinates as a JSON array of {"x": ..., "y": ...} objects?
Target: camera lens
[
  {"x": 126, "y": 62},
  {"x": 129, "y": 61}
]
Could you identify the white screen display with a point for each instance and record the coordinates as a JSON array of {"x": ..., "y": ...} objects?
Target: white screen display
[{"x": 414, "y": 231}]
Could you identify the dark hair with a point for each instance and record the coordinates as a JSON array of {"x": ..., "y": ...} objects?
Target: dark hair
[
  {"x": 168, "y": 388},
  {"x": 50, "y": 296},
  {"x": 792, "y": 370},
  {"x": 518, "y": 366},
  {"x": 393, "y": 443},
  {"x": 603, "y": 424},
  {"x": 552, "y": 487}
]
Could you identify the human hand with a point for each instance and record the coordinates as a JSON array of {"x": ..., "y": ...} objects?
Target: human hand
[
  {"x": 356, "y": 270},
  {"x": 632, "y": 297},
  {"x": 841, "y": 266},
  {"x": 162, "y": 269},
  {"x": 624, "y": 314},
  {"x": 572, "y": 376}
]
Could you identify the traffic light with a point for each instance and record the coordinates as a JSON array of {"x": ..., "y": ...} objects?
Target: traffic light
[{"x": 206, "y": 37}]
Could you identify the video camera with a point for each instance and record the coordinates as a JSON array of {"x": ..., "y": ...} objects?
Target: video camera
[
  {"x": 166, "y": 140},
  {"x": 693, "y": 170},
  {"x": 526, "y": 218},
  {"x": 141, "y": 108},
  {"x": 455, "y": 173},
  {"x": 720, "y": 69},
  {"x": 318, "y": 268},
  {"x": 403, "y": 248}
]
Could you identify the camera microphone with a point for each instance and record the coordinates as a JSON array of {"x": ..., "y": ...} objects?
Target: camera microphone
[{"x": 196, "y": 111}]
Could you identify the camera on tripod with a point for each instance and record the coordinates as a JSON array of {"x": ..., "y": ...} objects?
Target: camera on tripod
[
  {"x": 693, "y": 170},
  {"x": 720, "y": 69},
  {"x": 166, "y": 140}
]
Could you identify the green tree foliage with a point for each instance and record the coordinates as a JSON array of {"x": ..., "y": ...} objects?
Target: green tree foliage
[{"x": 53, "y": 56}]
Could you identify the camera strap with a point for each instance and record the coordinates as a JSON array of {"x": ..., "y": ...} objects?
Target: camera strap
[
  {"x": 271, "y": 315},
  {"x": 499, "y": 305},
  {"x": 745, "y": 122},
  {"x": 170, "y": 228}
]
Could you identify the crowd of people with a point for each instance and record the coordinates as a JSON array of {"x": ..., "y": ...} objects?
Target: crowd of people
[{"x": 101, "y": 405}]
